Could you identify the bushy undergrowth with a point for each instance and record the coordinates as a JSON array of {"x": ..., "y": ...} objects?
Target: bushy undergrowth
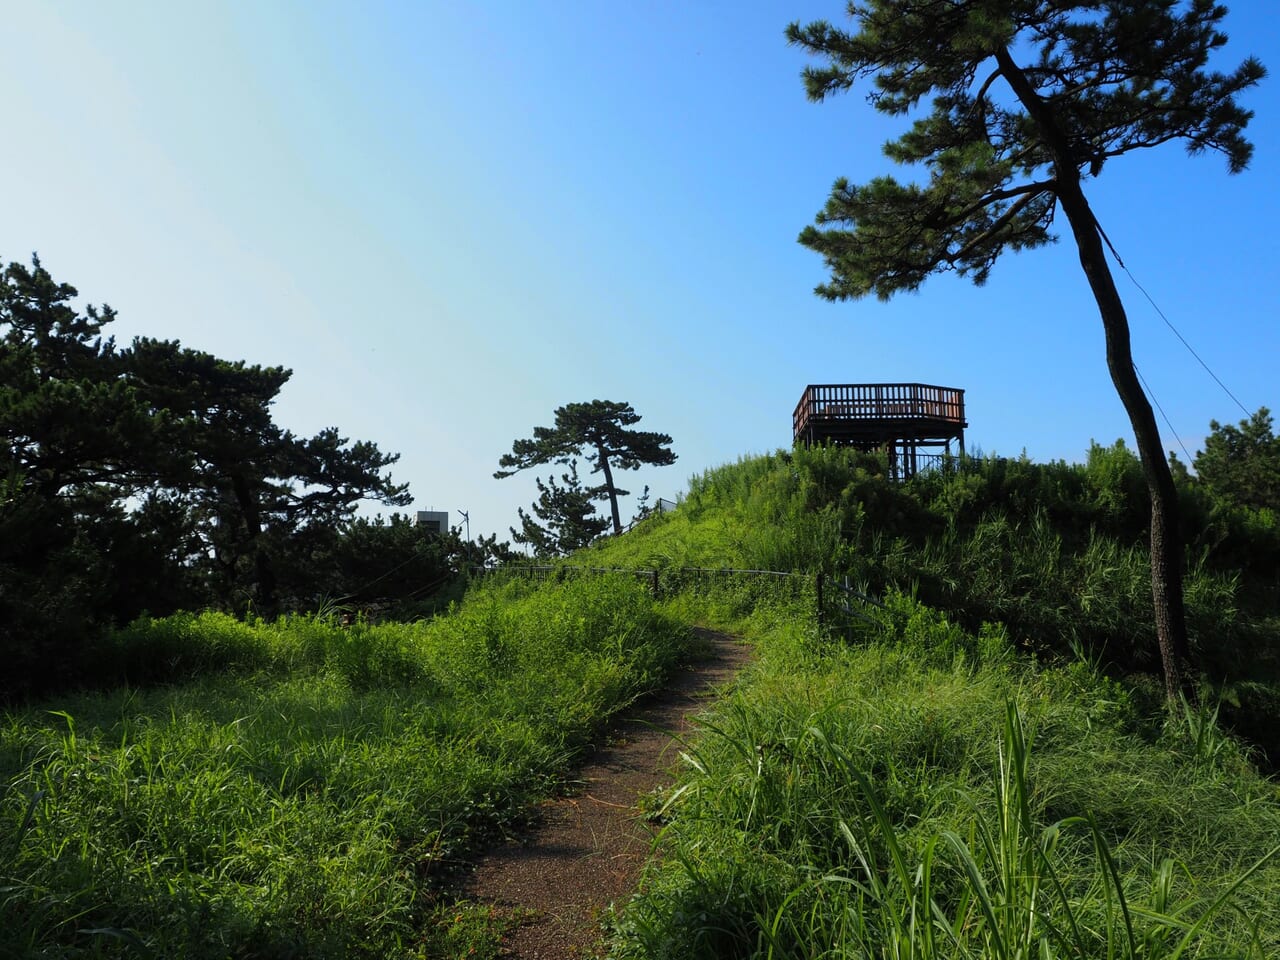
[
  {"x": 927, "y": 789},
  {"x": 306, "y": 788},
  {"x": 927, "y": 792}
]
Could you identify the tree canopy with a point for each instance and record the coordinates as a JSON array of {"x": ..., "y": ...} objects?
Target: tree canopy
[
  {"x": 1026, "y": 99},
  {"x": 1084, "y": 81},
  {"x": 599, "y": 431},
  {"x": 1242, "y": 464},
  {"x": 147, "y": 477},
  {"x": 564, "y": 516}
]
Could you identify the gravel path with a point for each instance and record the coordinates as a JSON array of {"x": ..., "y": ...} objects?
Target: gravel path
[{"x": 590, "y": 846}]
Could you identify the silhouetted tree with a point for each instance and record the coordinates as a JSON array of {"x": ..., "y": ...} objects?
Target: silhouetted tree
[
  {"x": 143, "y": 478},
  {"x": 597, "y": 430}
]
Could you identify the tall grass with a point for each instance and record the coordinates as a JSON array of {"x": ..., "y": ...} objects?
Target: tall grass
[
  {"x": 927, "y": 793},
  {"x": 1055, "y": 552},
  {"x": 300, "y": 789},
  {"x": 307, "y": 790}
]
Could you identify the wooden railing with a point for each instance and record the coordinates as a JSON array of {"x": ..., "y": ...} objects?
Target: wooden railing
[{"x": 879, "y": 401}]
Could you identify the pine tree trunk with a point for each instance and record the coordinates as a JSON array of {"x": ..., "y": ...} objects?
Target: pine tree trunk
[
  {"x": 613, "y": 494},
  {"x": 264, "y": 576},
  {"x": 1166, "y": 546}
]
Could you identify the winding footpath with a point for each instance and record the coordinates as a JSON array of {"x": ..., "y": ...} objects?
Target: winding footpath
[{"x": 590, "y": 846}]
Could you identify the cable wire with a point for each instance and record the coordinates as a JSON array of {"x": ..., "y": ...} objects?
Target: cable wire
[
  {"x": 1168, "y": 323},
  {"x": 1151, "y": 394},
  {"x": 399, "y": 566}
]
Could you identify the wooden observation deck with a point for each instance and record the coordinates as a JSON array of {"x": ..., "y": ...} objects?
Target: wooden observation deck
[{"x": 914, "y": 423}]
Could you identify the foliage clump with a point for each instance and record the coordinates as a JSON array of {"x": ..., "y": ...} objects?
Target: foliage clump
[
  {"x": 149, "y": 477},
  {"x": 1242, "y": 464}
]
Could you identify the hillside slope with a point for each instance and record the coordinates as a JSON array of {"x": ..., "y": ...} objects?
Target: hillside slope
[{"x": 983, "y": 766}]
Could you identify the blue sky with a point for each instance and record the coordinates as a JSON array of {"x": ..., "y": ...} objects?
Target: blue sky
[{"x": 449, "y": 219}]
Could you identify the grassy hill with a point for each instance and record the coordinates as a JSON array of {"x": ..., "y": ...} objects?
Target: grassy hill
[
  {"x": 979, "y": 764},
  {"x": 1055, "y": 553},
  {"x": 300, "y": 788},
  {"x": 983, "y": 766}
]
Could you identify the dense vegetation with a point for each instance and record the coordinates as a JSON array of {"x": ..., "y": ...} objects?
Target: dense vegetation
[
  {"x": 927, "y": 792},
  {"x": 983, "y": 766},
  {"x": 153, "y": 478},
  {"x": 999, "y": 780},
  {"x": 1053, "y": 552},
  {"x": 307, "y": 787}
]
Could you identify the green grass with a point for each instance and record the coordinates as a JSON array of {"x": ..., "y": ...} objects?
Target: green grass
[
  {"x": 1055, "y": 552},
  {"x": 930, "y": 793},
  {"x": 942, "y": 785},
  {"x": 964, "y": 785},
  {"x": 311, "y": 788},
  {"x": 933, "y": 791}
]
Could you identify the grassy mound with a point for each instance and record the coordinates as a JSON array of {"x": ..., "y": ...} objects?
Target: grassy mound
[
  {"x": 981, "y": 767},
  {"x": 990, "y": 771}
]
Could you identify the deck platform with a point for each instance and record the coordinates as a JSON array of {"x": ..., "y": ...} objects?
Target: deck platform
[{"x": 910, "y": 421}]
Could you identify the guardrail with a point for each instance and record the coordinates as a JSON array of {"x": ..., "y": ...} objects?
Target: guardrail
[{"x": 888, "y": 402}]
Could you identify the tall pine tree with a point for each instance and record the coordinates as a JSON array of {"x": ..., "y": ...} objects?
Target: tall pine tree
[
  {"x": 598, "y": 430},
  {"x": 1026, "y": 100}
]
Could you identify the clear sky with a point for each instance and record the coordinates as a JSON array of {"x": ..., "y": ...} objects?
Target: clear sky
[{"x": 450, "y": 218}]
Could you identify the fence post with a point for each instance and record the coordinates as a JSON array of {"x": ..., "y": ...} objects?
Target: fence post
[
  {"x": 821, "y": 619},
  {"x": 655, "y": 584}
]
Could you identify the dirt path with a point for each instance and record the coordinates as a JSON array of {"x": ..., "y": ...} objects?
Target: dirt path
[{"x": 589, "y": 847}]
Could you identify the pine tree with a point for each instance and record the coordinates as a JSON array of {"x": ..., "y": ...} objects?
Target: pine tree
[
  {"x": 1242, "y": 464},
  {"x": 599, "y": 431},
  {"x": 158, "y": 471},
  {"x": 568, "y": 516},
  {"x": 1027, "y": 100}
]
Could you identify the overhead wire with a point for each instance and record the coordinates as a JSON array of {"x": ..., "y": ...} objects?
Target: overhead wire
[
  {"x": 1151, "y": 393},
  {"x": 397, "y": 567},
  {"x": 1167, "y": 321}
]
